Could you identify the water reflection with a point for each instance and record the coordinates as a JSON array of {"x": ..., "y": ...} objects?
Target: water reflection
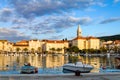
[{"x": 52, "y": 62}]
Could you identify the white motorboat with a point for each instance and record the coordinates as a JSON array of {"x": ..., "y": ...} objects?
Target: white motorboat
[{"x": 78, "y": 66}]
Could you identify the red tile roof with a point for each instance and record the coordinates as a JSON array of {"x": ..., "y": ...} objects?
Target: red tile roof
[
  {"x": 90, "y": 37},
  {"x": 55, "y": 41},
  {"x": 117, "y": 41}
]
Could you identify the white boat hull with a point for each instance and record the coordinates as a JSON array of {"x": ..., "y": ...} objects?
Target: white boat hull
[
  {"x": 81, "y": 69},
  {"x": 84, "y": 68}
]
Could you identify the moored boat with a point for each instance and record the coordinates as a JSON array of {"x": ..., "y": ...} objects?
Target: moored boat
[
  {"x": 28, "y": 69},
  {"x": 78, "y": 66}
]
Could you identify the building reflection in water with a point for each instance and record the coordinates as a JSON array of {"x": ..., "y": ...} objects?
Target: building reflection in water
[{"x": 52, "y": 61}]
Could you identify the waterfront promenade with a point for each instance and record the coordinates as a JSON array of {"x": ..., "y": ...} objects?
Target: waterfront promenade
[{"x": 84, "y": 76}]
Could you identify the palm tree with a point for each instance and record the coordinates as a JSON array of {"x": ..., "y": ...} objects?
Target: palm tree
[
  {"x": 18, "y": 49},
  {"x": 32, "y": 50},
  {"x": 39, "y": 49},
  {"x": 52, "y": 49},
  {"x": 58, "y": 50},
  {"x": 25, "y": 49}
]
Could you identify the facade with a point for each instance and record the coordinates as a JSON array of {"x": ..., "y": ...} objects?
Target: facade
[
  {"x": 112, "y": 45},
  {"x": 36, "y": 45},
  {"x": 85, "y": 42},
  {"x": 21, "y": 46},
  {"x": 3, "y": 45},
  {"x": 55, "y": 46}
]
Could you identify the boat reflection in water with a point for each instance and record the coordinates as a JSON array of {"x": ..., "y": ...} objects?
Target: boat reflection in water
[{"x": 50, "y": 63}]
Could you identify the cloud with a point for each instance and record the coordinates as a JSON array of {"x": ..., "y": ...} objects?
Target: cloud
[
  {"x": 33, "y": 8},
  {"x": 116, "y": 1},
  {"x": 56, "y": 24},
  {"x": 12, "y": 35},
  {"x": 56, "y": 37},
  {"x": 5, "y": 14},
  {"x": 110, "y": 20}
]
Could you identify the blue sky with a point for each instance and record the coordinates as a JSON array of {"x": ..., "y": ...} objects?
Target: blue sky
[{"x": 58, "y": 19}]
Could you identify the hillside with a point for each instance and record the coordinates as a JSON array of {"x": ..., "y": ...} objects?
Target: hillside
[{"x": 113, "y": 37}]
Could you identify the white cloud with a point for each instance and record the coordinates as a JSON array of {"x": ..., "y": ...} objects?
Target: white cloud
[
  {"x": 33, "y": 8},
  {"x": 114, "y": 19},
  {"x": 12, "y": 35},
  {"x": 6, "y": 14},
  {"x": 116, "y": 1}
]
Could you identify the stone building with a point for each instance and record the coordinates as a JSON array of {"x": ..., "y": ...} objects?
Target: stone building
[{"x": 85, "y": 42}]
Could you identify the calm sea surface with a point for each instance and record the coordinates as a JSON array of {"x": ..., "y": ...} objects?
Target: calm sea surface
[{"x": 50, "y": 63}]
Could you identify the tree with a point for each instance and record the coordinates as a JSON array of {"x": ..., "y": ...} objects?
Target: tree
[
  {"x": 39, "y": 49},
  {"x": 103, "y": 49},
  {"x": 18, "y": 49},
  {"x": 65, "y": 49},
  {"x": 115, "y": 49},
  {"x": 73, "y": 49},
  {"x": 32, "y": 50},
  {"x": 52, "y": 49},
  {"x": 25, "y": 49},
  {"x": 85, "y": 50},
  {"x": 59, "y": 49}
]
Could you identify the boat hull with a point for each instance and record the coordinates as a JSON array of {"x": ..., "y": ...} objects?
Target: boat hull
[{"x": 74, "y": 69}]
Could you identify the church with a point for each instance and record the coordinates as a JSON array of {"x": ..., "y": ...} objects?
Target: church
[{"x": 85, "y": 42}]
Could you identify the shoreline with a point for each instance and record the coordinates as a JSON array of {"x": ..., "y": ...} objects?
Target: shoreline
[{"x": 68, "y": 76}]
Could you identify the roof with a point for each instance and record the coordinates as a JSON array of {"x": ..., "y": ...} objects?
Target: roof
[
  {"x": 117, "y": 41},
  {"x": 55, "y": 41},
  {"x": 90, "y": 37},
  {"x": 21, "y": 43},
  {"x": 3, "y": 40}
]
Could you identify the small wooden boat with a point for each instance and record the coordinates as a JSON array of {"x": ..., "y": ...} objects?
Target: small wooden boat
[{"x": 28, "y": 69}]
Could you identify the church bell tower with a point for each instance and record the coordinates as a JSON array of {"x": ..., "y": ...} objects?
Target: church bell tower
[{"x": 79, "y": 31}]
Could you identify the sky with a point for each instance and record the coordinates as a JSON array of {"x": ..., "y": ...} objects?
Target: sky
[{"x": 58, "y": 19}]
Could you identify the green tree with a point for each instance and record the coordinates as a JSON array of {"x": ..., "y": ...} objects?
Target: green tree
[
  {"x": 17, "y": 50},
  {"x": 52, "y": 49},
  {"x": 115, "y": 49},
  {"x": 25, "y": 49},
  {"x": 85, "y": 50},
  {"x": 73, "y": 49},
  {"x": 59, "y": 49},
  {"x": 65, "y": 49},
  {"x": 39, "y": 49},
  {"x": 32, "y": 50},
  {"x": 103, "y": 49}
]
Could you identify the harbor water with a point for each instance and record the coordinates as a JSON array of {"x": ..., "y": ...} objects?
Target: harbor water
[{"x": 50, "y": 64}]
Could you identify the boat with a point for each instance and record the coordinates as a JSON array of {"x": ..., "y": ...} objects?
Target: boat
[
  {"x": 117, "y": 60},
  {"x": 78, "y": 66},
  {"x": 28, "y": 69},
  {"x": 105, "y": 70}
]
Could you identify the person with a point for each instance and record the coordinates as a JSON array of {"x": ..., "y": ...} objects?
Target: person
[{"x": 29, "y": 64}]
